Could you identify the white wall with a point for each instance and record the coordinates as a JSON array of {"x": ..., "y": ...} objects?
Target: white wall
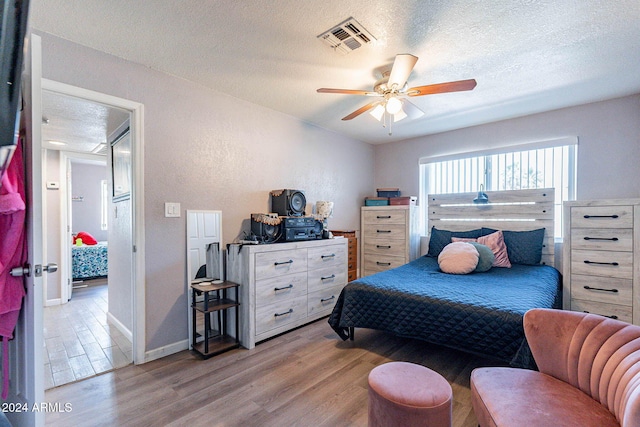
[
  {"x": 52, "y": 214},
  {"x": 207, "y": 150},
  {"x": 86, "y": 182},
  {"x": 608, "y": 147}
]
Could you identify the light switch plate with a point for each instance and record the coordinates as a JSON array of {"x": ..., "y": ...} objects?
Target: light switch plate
[{"x": 172, "y": 210}]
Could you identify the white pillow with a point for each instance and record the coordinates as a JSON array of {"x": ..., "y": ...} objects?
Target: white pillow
[{"x": 458, "y": 258}]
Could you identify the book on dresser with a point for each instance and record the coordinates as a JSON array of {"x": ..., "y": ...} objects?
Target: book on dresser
[
  {"x": 286, "y": 285},
  {"x": 601, "y": 249}
]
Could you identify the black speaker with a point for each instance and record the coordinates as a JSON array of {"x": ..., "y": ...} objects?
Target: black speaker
[
  {"x": 265, "y": 229},
  {"x": 288, "y": 202}
]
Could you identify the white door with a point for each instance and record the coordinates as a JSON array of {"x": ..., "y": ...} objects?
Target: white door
[{"x": 27, "y": 377}]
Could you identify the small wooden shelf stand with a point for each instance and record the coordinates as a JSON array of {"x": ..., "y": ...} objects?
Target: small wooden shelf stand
[{"x": 215, "y": 301}]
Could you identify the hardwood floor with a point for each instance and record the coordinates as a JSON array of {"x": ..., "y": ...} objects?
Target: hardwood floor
[{"x": 307, "y": 377}]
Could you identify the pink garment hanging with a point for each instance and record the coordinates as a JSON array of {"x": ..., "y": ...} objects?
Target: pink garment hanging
[{"x": 13, "y": 253}]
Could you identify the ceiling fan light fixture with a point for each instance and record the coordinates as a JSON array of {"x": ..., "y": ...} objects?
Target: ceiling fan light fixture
[
  {"x": 399, "y": 115},
  {"x": 378, "y": 112},
  {"x": 394, "y": 105}
]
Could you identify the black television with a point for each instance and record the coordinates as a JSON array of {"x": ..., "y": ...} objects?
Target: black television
[{"x": 13, "y": 32}]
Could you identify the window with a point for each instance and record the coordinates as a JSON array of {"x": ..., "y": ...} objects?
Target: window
[
  {"x": 551, "y": 164},
  {"x": 104, "y": 204}
]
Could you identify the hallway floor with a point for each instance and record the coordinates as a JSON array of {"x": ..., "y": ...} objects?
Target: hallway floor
[{"x": 79, "y": 342}]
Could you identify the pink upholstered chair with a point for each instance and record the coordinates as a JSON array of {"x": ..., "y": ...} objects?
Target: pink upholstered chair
[{"x": 589, "y": 375}]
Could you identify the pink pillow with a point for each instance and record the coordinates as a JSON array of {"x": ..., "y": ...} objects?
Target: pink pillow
[
  {"x": 496, "y": 242},
  {"x": 458, "y": 258}
]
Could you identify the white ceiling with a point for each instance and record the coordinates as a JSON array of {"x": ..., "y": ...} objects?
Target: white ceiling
[
  {"x": 78, "y": 125},
  {"x": 527, "y": 56}
]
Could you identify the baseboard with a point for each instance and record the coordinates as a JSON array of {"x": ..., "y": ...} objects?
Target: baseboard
[
  {"x": 123, "y": 329},
  {"x": 50, "y": 302},
  {"x": 166, "y": 350}
]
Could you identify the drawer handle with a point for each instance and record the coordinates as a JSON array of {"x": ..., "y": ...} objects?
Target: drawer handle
[
  {"x": 383, "y": 231},
  {"x": 323, "y": 300},
  {"x": 283, "y": 288},
  {"x": 383, "y": 217},
  {"x": 383, "y": 263},
  {"x": 600, "y": 289},
  {"x": 586, "y": 261},
  {"x": 614, "y": 239},
  {"x": 283, "y": 314},
  {"x": 601, "y": 216},
  {"x": 333, "y": 276},
  {"x": 613, "y": 316},
  {"x": 383, "y": 246},
  {"x": 328, "y": 256},
  {"x": 283, "y": 262}
]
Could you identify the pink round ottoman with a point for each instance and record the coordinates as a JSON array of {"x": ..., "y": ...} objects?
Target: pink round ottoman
[{"x": 406, "y": 394}]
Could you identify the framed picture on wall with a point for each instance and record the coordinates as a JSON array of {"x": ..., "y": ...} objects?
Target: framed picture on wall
[{"x": 121, "y": 166}]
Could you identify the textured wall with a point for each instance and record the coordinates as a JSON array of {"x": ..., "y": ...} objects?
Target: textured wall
[
  {"x": 608, "y": 149},
  {"x": 86, "y": 183},
  {"x": 210, "y": 151}
]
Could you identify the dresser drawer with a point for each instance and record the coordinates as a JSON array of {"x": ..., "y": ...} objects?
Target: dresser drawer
[
  {"x": 386, "y": 231},
  {"x": 602, "y": 263},
  {"x": 614, "y": 311},
  {"x": 375, "y": 264},
  {"x": 385, "y": 247},
  {"x": 278, "y": 263},
  {"x": 280, "y": 288},
  {"x": 602, "y": 289},
  {"x": 326, "y": 277},
  {"x": 335, "y": 256},
  {"x": 616, "y": 239},
  {"x": 322, "y": 301},
  {"x": 602, "y": 217},
  {"x": 384, "y": 217},
  {"x": 280, "y": 314}
]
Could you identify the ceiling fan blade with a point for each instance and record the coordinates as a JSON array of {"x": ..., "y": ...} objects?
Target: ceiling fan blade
[
  {"x": 412, "y": 111},
  {"x": 456, "y": 86},
  {"x": 360, "y": 110},
  {"x": 348, "y": 91},
  {"x": 402, "y": 67}
]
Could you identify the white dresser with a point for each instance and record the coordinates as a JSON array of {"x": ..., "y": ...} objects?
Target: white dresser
[
  {"x": 601, "y": 272},
  {"x": 389, "y": 237},
  {"x": 285, "y": 285}
]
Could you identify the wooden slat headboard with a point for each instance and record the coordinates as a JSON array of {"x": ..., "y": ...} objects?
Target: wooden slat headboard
[{"x": 517, "y": 210}]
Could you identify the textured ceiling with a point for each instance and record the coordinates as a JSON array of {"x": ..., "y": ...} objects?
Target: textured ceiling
[
  {"x": 527, "y": 56},
  {"x": 82, "y": 126}
]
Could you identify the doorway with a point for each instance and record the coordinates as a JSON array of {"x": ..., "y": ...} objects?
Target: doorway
[{"x": 98, "y": 321}]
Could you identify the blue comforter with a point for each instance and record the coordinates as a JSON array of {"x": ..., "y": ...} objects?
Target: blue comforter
[{"x": 479, "y": 313}]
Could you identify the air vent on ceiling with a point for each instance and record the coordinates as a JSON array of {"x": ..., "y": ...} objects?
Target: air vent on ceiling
[
  {"x": 100, "y": 149},
  {"x": 347, "y": 36}
]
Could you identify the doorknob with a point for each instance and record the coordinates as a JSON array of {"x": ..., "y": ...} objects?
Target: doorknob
[
  {"x": 50, "y": 268},
  {"x": 21, "y": 271}
]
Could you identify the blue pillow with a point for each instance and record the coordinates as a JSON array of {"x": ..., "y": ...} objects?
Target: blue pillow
[
  {"x": 523, "y": 247},
  {"x": 485, "y": 261},
  {"x": 438, "y": 239}
]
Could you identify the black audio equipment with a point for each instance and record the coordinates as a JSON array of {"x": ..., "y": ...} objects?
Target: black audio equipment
[
  {"x": 266, "y": 228},
  {"x": 301, "y": 228},
  {"x": 288, "y": 202}
]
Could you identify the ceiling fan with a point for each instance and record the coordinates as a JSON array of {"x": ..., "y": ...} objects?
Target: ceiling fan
[{"x": 392, "y": 88}]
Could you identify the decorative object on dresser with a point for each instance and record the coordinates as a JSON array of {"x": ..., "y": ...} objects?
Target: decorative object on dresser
[
  {"x": 600, "y": 258},
  {"x": 389, "y": 237},
  {"x": 352, "y": 261},
  {"x": 286, "y": 285}
]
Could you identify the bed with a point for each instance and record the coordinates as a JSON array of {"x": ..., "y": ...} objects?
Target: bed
[
  {"x": 89, "y": 261},
  {"x": 479, "y": 313}
]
